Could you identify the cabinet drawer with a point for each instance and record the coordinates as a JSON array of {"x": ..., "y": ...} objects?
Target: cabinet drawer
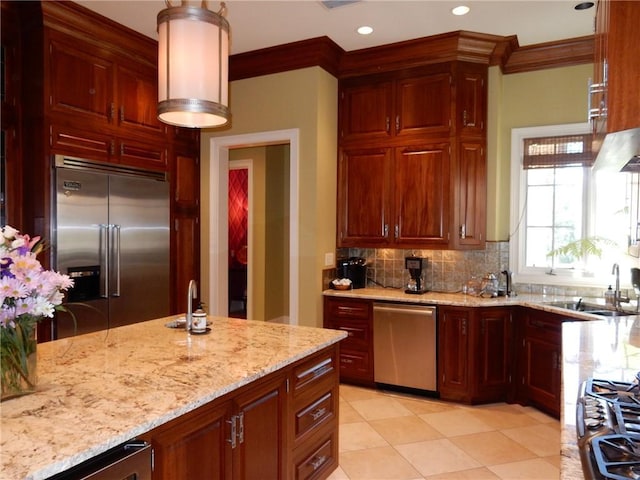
[
  {"x": 317, "y": 371},
  {"x": 319, "y": 461},
  {"x": 354, "y": 363},
  {"x": 350, "y": 309},
  {"x": 312, "y": 416},
  {"x": 359, "y": 333},
  {"x": 548, "y": 328}
]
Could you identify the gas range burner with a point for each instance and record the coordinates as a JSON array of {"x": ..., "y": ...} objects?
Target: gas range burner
[
  {"x": 617, "y": 456},
  {"x": 623, "y": 393}
]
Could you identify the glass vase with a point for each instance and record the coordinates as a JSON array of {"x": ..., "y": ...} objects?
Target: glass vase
[{"x": 18, "y": 355}]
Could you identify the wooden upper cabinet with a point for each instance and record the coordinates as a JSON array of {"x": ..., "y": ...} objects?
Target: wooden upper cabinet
[
  {"x": 365, "y": 111},
  {"x": 615, "y": 101},
  {"x": 364, "y": 196},
  {"x": 471, "y": 98},
  {"x": 422, "y": 195},
  {"x": 383, "y": 108},
  {"x": 137, "y": 98},
  {"x": 80, "y": 80},
  {"x": 423, "y": 105},
  {"x": 470, "y": 196}
]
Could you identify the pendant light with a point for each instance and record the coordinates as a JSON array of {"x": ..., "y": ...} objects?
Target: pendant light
[{"x": 193, "y": 66}]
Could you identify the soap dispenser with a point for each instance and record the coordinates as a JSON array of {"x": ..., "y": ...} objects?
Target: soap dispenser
[{"x": 609, "y": 296}]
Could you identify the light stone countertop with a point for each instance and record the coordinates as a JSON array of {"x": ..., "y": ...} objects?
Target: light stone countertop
[
  {"x": 98, "y": 390},
  {"x": 606, "y": 348}
]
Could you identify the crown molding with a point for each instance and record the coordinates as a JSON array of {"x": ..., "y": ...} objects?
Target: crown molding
[{"x": 460, "y": 45}]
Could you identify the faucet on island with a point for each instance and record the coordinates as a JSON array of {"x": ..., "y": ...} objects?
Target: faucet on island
[
  {"x": 618, "y": 298},
  {"x": 192, "y": 293}
]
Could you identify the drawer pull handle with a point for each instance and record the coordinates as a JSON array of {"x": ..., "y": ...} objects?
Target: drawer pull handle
[
  {"x": 319, "y": 413},
  {"x": 346, "y": 360},
  {"x": 317, "y": 462}
]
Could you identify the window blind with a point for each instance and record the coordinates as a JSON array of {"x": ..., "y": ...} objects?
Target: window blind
[{"x": 560, "y": 151}]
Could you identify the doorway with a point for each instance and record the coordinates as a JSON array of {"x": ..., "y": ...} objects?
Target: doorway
[{"x": 219, "y": 246}]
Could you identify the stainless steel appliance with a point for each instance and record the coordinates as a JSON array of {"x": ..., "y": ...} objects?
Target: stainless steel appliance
[
  {"x": 416, "y": 266},
  {"x": 608, "y": 429},
  {"x": 128, "y": 461},
  {"x": 404, "y": 345},
  {"x": 111, "y": 235}
]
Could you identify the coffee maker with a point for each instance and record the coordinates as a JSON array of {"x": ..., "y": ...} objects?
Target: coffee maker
[{"x": 415, "y": 265}]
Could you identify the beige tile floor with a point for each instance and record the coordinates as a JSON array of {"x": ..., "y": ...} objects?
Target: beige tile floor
[{"x": 389, "y": 435}]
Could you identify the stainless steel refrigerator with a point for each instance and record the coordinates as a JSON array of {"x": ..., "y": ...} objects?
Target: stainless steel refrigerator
[{"x": 111, "y": 235}]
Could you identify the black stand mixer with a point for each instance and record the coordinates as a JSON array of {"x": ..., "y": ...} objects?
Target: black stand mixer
[{"x": 415, "y": 265}]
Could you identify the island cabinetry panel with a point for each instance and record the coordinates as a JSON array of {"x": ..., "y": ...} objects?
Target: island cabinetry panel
[
  {"x": 314, "y": 417},
  {"x": 355, "y": 317},
  {"x": 394, "y": 197},
  {"x": 614, "y": 102},
  {"x": 474, "y": 353},
  {"x": 241, "y": 437},
  {"x": 540, "y": 359},
  {"x": 411, "y": 165}
]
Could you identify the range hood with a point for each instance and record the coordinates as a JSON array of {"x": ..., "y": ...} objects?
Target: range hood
[{"x": 620, "y": 151}]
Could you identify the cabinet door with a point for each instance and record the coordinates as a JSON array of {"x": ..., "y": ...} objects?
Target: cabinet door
[
  {"x": 187, "y": 184},
  {"x": 196, "y": 447},
  {"x": 453, "y": 353},
  {"x": 80, "y": 80},
  {"x": 365, "y": 111},
  {"x": 494, "y": 356},
  {"x": 542, "y": 374},
  {"x": 137, "y": 99},
  {"x": 469, "y": 211},
  {"x": 422, "y": 195},
  {"x": 185, "y": 258},
  {"x": 423, "y": 105},
  {"x": 364, "y": 193},
  {"x": 470, "y": 102},
  {"x": 261, "y": 440}
]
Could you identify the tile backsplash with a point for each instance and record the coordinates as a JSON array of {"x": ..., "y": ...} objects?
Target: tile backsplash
[{"x": 449, "y": 270}]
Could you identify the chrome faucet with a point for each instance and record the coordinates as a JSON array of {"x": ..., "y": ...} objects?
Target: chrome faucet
[
  {"x": 192, "y": 292},
  {"x": 618, "y": 298}
]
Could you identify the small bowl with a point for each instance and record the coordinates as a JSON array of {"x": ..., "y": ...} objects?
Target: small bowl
[{"x": 341, "y": 287}]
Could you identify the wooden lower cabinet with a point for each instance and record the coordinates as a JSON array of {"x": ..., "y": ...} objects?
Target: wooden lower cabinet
[
  {"x": 355, "y": 317},
  {"x": 474, "y": 353},
  {"x": 540, "y": 360},
  {"x": 279, "y": 427}
]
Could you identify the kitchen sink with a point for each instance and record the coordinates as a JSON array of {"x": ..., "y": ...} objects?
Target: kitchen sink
[{"x": 591, "y": 308}]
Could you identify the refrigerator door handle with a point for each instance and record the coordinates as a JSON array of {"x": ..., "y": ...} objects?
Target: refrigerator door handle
[
  {"x": 104, "y": 259},
  {"x": 116, "y": 250}
]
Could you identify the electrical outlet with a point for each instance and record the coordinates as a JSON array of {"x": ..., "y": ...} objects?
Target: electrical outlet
[{"x": 328, "y": 259}]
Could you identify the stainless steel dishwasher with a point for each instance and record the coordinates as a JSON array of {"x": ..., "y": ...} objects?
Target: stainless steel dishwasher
[{"x": 404, "y": 345}]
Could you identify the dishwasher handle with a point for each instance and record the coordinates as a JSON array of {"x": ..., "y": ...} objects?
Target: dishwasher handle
[{"x": 414, "y": 310}]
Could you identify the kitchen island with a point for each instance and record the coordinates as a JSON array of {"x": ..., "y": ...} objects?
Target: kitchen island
[{"x": 98, "y": 390}]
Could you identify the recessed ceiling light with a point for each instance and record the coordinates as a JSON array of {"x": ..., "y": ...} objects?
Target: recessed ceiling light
[
  {"x": 365, "y": 30},
  {"x": 460, "y": 10},
  {"x": 584, "y": 5}
]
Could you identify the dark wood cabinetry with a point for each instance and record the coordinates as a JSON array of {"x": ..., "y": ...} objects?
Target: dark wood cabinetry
[
  {"x": 87, "y": 87},
  {"x": 356, "y": 352},
  {"x": 282, "y": 426},
  {"x": 540, "y": 359},
  {"x": 394, "y": 196},
  {"x": 614, "y": 103},
  {"x": 412, "y": 170},
  {"x": 474, "y": 353}
]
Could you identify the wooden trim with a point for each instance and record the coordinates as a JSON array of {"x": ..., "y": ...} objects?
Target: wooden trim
[
  {"x": 461, "y": 45},
  {"x": 320, "y": 51},
  {"x": 562, "y": 53}
]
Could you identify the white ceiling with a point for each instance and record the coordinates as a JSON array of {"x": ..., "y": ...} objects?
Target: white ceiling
[{"x": 257, "y": 24}]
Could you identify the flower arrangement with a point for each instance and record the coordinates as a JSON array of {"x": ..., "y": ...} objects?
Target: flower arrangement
[{"x": 28, "y": 293}]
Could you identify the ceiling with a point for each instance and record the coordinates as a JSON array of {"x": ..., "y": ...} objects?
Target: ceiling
[{"x": 258, "y": 24}]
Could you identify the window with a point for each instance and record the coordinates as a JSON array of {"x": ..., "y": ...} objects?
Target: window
[{"x": 560, "y": 205}]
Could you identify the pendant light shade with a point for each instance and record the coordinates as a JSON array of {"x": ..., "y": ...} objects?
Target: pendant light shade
[{"x": 193, "y": 66}]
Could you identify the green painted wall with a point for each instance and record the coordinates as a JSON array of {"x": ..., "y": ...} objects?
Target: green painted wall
[{"x": 546, "y": 97}]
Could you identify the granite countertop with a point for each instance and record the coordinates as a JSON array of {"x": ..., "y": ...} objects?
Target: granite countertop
[{"x": 98, "y": 390}]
